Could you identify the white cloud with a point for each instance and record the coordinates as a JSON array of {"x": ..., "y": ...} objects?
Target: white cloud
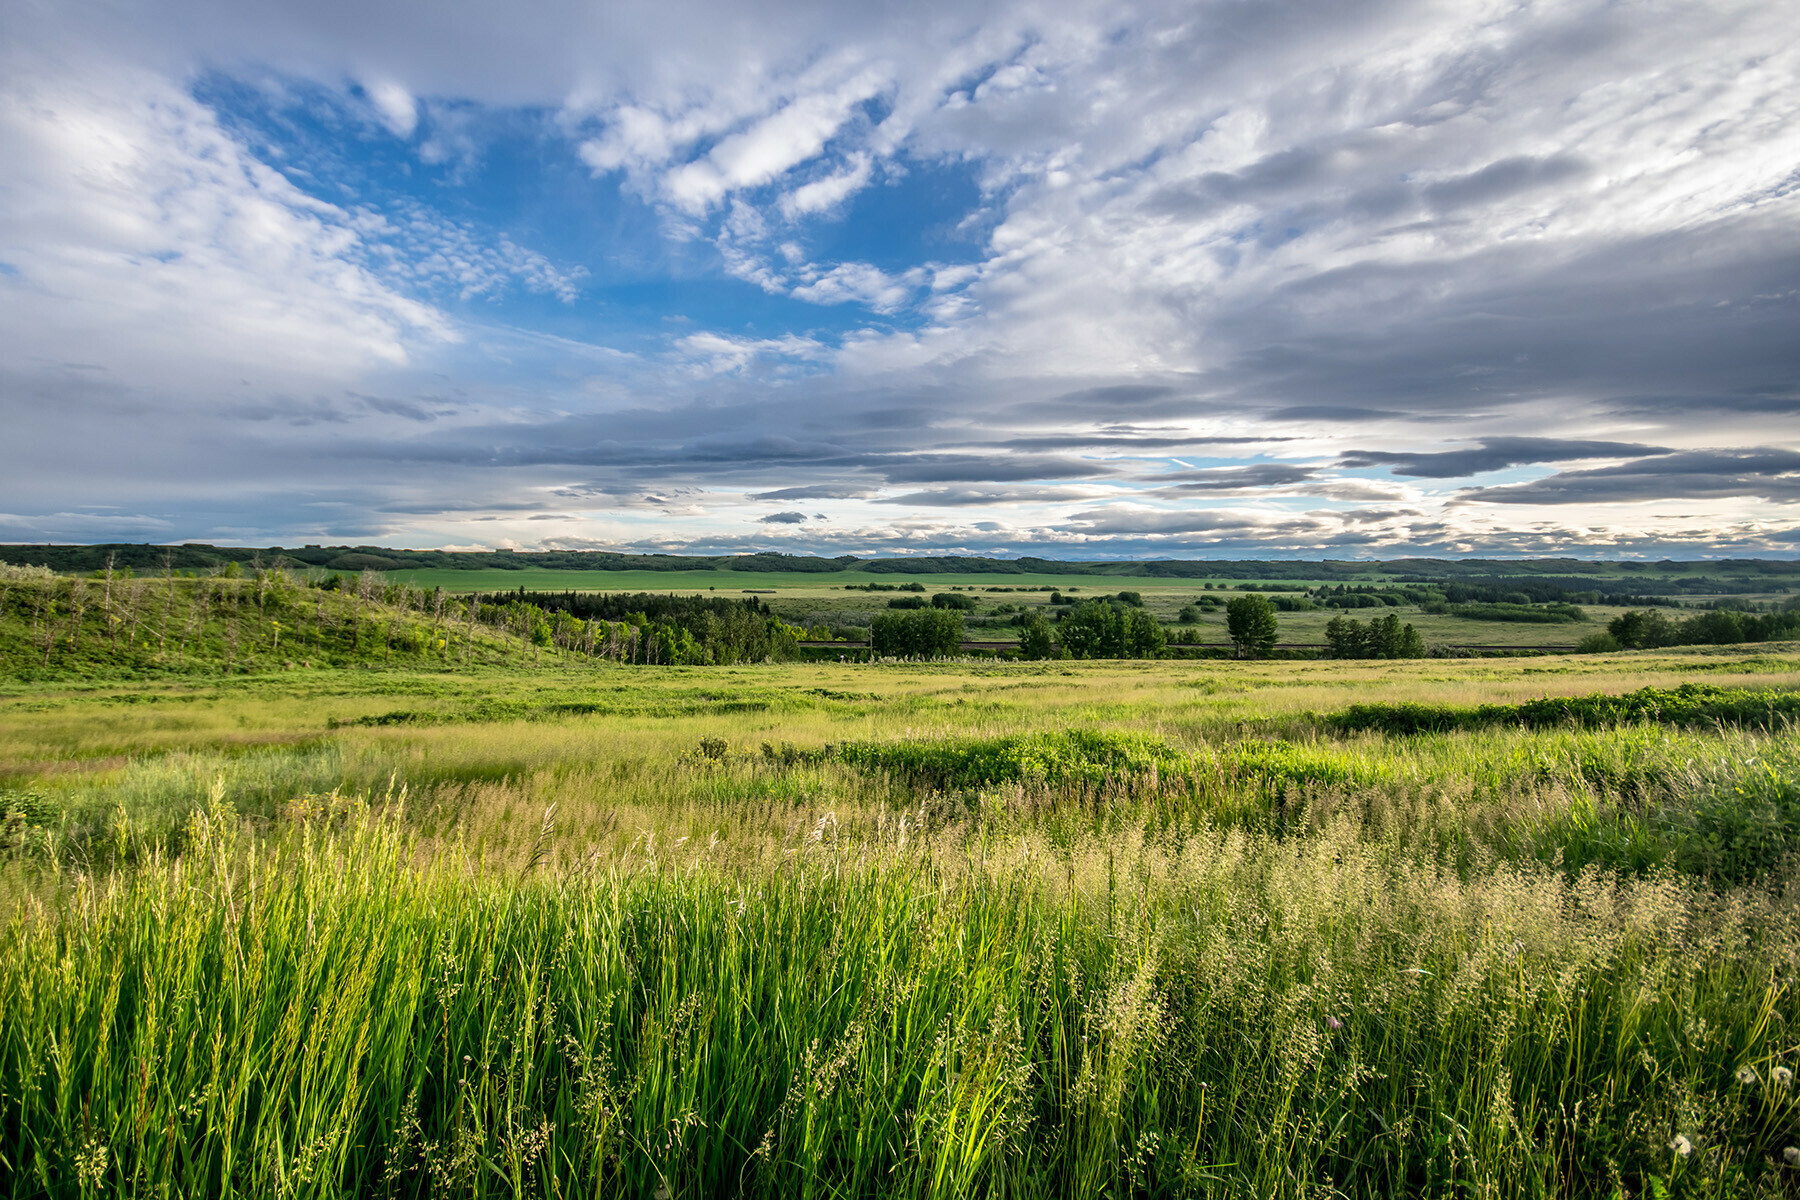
[
  {"x": 823, "y": 195},
  {"x": 792, "y": 135},
  {"x": 863, "y": 284},
  {"x": 396, "y": 106},
  {"x": 720, "y": 354},
  {"x": 146, "y": 242}
]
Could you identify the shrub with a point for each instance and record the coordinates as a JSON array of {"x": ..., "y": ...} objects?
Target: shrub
[{"x": 1058, "y": 757}]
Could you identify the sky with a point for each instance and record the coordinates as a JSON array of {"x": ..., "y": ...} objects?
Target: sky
[{"x": 1221, "y": 278}]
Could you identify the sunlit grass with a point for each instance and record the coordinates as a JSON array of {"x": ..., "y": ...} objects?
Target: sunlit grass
[{"x": 684, "y": 942}]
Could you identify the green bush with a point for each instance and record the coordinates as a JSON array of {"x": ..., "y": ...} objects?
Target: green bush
[
  {"x": 1061, "y": 757},
  {"x": 1689, "y": 704}
]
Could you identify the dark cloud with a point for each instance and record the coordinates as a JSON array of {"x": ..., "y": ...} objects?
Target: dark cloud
[
  {"x": 973, "y": 468},
  {"x": 1233, "y": 479},
  {"x": 1503, "y": 179},
  {"x": 423, "y": 410},
  {"x": 967, "y": 496},
  {"x": 1335, "y": 412},
  {"x": 1766, "y": 474},
  {"x": 1128, "y": 442},
  {"x": 816, "y": 491},
  {"x": 784, "y": 518},
  {"x": 1491, "y": 455}
]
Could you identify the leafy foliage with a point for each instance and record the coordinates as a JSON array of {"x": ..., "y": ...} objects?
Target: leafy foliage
[
  {"x": 923, "y": 633},
  {"x": 1054, "y": 757},
  {"x": 1382, "y": 637},
  {"x": 1250, "y": 622},
  {"x": 1110, "y": 629},
  {"x": 1690, "y": 704}
]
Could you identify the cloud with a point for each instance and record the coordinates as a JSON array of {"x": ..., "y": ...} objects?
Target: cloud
[
  {"x": 1234, "y": 479},
  {"x": 769, "y": 147},
  {"x": 815, "y": 492},
  {"x": 861, "y": 283},
  {"x": 720, "y": 354},
  {"x": 952, "y": 260},
  {"x": 784, "y": 518},
  {"x": 825, "y": 194},
  {"x": 966, "y": 497},
  {"x": 1767, "y": 473},
  {"x": 1492, "y": 454},
  {"x": 145, "y": 241},
  {"x": 396, "y": 107}
]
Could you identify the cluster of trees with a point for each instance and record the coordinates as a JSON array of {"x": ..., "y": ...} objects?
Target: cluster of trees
[
  {"x": 1110, "y": 629},
  {"x": 917, "y": 633},
  {"x": 1381, "y": 637},
  {"x": 1531, "y": 614},
  {"x": 1649, "y": 628},
  {"x": 648, "y": 627},
  {"x": 951, "y": 600}
]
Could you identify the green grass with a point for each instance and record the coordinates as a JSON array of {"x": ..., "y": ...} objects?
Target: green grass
[
  {"x": 1052, "y": 929},
  {"x": 1209, "y": 1014}
]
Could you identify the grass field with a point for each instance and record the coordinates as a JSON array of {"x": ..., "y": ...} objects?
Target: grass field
[
  {"x": 1057, "y": 929},
  {"x": 814, "y": 599}
]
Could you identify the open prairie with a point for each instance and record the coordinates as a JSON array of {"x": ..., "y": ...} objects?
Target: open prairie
[{"x": 1056, "y": 928}]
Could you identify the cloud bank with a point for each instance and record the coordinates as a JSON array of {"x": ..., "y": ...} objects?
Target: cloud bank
[{"x": 1170, "y": 278}]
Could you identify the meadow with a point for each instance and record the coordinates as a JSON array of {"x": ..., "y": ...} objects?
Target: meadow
[{"x": 933, "y": 929}]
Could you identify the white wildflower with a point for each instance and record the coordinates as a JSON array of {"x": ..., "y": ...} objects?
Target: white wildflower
[
  {"x": 1747, "y": 1076},
  {"x": 1781, "y": 1077},
  {"x": 1681, "y": 1146},
  {"x": 1791, "y": 1156}
]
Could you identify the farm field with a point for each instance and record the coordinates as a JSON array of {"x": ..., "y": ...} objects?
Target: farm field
[
  {"x": 1059, "y": 928},
  {"x": 813, "y": 599}
]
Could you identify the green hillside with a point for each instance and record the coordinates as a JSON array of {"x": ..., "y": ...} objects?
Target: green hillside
[{"x": 263, "y": 620}]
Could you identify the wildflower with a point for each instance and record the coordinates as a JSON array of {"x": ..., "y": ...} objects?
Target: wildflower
[
  {"x": 1681, "y": 1146},
  {"x": 1333, "y": 1023},
  {"x": 1791, "y": 1156},
  {"x": 1747, "y": 1076},
  {"x": 1781, "y": 1077}
]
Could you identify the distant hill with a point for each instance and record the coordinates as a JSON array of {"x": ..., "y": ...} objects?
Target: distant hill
[{"x": 1642, "y": 578}]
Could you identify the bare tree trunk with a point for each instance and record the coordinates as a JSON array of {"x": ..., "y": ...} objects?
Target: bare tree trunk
[
  {"x": 198, "y": 601},
  {"x": 162, "y": 641},
  {"x": 112, "y": 628},
  {"x": 137, "y": 608},
  {"x": 46, "y": 598},
  {"x": 231, "y": 630},
  {"x": 77, "y": 610}
]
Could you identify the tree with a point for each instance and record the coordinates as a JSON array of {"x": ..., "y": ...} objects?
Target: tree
[
  {"x": 1345, "y": 636},
  {"x": 919, "y": 633},
  {"x": 1250, "y": 620},
  {"x": 1144, "y": 635},
  {"x": 1095, "y": 629},
  {"x": 1035, "y": 640},
  {"x": 1642, "y": 630}
]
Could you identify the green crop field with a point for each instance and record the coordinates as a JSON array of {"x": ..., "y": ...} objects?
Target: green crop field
[{"x": 382, "y": 904}]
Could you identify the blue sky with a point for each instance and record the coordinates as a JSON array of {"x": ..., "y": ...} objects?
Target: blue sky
[{"x": 1163, "y": 279}]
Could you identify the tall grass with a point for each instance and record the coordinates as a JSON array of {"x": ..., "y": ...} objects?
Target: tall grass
[
  {"x": 923, "y": 931},
  {"x": 340, "y": 1011}
]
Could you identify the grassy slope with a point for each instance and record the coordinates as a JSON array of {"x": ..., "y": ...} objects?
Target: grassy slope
[{"x": 77, "y": 627}]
